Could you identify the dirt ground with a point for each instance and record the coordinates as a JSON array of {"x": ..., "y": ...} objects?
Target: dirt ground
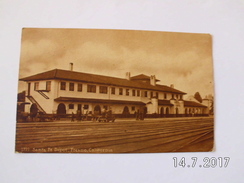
[{"x": 194, "y": 134}]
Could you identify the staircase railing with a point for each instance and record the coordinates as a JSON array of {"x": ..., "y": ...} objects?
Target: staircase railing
[
  {"x": 37, "y": 104},
  {"x": 43, "y": 94}
]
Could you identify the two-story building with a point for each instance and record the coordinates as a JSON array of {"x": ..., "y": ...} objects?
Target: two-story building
[{"x": 66, "y": 91}]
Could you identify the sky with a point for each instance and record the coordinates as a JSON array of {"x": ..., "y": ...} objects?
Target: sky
[{"x": 182, "y": 59}]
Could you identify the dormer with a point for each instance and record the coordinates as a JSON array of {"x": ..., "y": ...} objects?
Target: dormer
[{"x": 145, "y": 79}]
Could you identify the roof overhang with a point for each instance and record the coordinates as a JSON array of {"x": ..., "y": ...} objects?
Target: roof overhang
[
  {"x": 164, "y": 102},
  {"x": 100, "y": 101},
  {"x": 193, "y": 104}
]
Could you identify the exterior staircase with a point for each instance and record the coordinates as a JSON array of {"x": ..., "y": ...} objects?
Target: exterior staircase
[
  {"x": 33, "y": 101},
  {"x": 43, "y": 94}
]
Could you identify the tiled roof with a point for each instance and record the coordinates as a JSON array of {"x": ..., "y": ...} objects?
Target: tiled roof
[
  {"x": 98, "y": 79},
  {"x": 164, "y": 102},
  {"x": 193, "y": 104},
  {"x": 103, "y": 101},
  {"x": 141, "y": 77}
]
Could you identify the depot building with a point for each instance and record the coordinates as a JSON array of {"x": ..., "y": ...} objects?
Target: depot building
[{"x": 66, "y": 91}]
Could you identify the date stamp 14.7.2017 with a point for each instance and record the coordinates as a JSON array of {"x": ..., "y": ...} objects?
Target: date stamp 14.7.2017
[{"x": 206, "y": 162}]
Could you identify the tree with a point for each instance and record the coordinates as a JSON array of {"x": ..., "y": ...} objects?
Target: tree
[
  {"x": 198, "y": 97},
  {"x": 211, "y": 110}
]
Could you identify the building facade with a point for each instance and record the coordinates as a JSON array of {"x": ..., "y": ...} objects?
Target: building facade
[{"x": 65, "y": 91}]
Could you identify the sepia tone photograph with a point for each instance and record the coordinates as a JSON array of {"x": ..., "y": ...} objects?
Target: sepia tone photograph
[{"x": 114, "y": 91}]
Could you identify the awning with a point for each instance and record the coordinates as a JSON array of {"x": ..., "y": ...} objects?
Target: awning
[
  {"x": 164, "y": 102},
  {"x": 23, "y": 103},
  {"x": 193, "y": 104},
  {"x": 102, "y": 101}
]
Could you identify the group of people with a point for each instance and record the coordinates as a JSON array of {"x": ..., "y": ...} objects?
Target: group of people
[
  {"x": 106, "y": 112},
  {"x": 140, "y": 115},
  {"x": 79, "y": 116}
]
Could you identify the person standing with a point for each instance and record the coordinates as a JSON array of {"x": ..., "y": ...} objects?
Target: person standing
[
  {"x": 137, "y": 114},
  {"x": 72, "y": 117}
]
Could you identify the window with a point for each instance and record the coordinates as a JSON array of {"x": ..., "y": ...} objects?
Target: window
[
  {"x": 173, "y": 96},
  {"x": 165, "y": 95},
  {"x": 48, "y": 85},
  {"x": 71, "y": 106},
  {"x": 133, "y": 108},
  {"x": 138, "y": 93},
  {"x": 79, "y": 89},
  {"x": 103, "y": 89},
  {"x": 145, "y": 93},
  {"x": 127, "y": 92},
  {"x": 151, "y": 94},
  {"x": 86, "y": 106},
  {"x": 133, "y": 92},
  {"x": 36, "y": 86},
  {"x": 113, "y": 90},
  {"x": 71, "y": 86},
  {"x": 120, "y": 91},
  {"x": 156, "y": 94},
  {"x": 63, "y": 86},
  {"x": 91, "y": 88}
]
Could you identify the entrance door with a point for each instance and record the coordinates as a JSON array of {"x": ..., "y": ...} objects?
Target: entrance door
[
  {"x": 79, "y": 107},
  {"x": 176, "y": 112},
  {"x": 61, "y": 109},
  {"x": 167, "y": 112},
  {"x": 97, "y": 110},
  {"x": 126, "y": 112},
  {"x": 145, "y": 110},
  {"x": 186, "y": 112},
  {"x": 33, "y": 110},
  {"x": 162, "y": 112}
]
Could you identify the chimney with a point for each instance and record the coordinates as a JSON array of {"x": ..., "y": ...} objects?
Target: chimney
[
  {"x": 153, "y": 80},
  {"x": 172, "y": 85},
  {"x": 71, "y": 66},
  {"x": 127, "y": 75}
]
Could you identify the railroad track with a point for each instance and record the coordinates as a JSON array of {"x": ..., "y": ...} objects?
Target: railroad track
[{"x": 161, "y": 135}]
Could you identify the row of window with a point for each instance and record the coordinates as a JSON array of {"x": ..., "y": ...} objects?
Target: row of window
[
  {"x": 104, "y": 90},
  {"x": 48, "y": 86},
  {"x": 86, "y": 106},
  {"x": 176, "y": 97},
  {"x": 71, "y": 86},
  {"x": 72, "y": 106}
]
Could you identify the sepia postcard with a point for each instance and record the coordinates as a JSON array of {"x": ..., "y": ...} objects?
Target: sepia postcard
[{"x": 114, "y": 91}]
